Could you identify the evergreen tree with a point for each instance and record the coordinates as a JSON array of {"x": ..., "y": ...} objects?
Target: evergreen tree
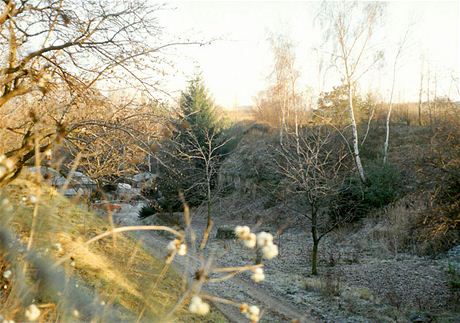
[
  {"x": 190, "y": 157},
  {"x": 198, "y": 110}
]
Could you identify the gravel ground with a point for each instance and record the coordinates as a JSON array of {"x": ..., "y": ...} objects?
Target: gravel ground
[{"x": 369, "y": 289}]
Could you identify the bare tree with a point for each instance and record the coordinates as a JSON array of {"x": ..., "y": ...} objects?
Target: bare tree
[
  {"x": 350, "y": 27},
  {"x": 420, "y": 93},
  {"x": 428, "y": 99},
  {"x": 115, "y": 140},
  {"x": 208, "y": 154},
  {"x": 311, "y": 173},
  {"x": 282, "y": 95},
  {"x": 63, "y": 49},
  {"x": 390, "y": 104}
]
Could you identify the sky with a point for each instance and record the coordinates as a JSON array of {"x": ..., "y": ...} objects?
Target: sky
[{"x": 236, "y": 65}]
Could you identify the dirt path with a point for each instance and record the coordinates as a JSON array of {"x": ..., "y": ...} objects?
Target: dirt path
[{"x": 275, "y": 309}]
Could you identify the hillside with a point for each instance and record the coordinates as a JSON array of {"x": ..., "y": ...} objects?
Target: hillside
[{"x": 114, "y": 278}]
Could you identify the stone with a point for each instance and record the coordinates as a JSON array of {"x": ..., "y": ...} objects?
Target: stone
[
  {"x": 81, "y": 179},
  {"x": 48, "y": 173},
  {"x": 72, "y": 192},
  {"x": 124, "y": 187},
  {"x": 143, "y": 177}
]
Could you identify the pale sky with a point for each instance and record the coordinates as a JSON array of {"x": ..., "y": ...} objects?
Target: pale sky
[{"x": 236, "y": 66}]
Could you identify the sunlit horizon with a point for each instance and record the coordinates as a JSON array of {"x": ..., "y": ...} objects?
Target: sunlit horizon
[{"x": 236, "y": 65}]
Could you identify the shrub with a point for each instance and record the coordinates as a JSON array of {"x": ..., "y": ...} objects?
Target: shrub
[
  {"x": 454, "y": 277},
  {"x": 355, "y": 199},
  {"x": 439, "y": 230},
  {"x": 146, "y": 211}
]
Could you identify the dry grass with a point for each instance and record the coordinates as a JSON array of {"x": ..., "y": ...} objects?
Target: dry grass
[{"x": 119, "y": 270}]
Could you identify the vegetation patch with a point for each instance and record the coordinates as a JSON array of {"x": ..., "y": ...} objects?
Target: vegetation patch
[{"x": 118, "y": 268}]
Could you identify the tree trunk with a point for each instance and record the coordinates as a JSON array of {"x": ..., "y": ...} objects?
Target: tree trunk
[
  {"x": 435, "y": 97},
  {"x": 420, "y": 100},
  {"x": 209, "y": 202},
  {"x": 390, "y": 108},
  {"x": 259, "y": 256},
  {"x": 297, "y": 134},
  {"x": 428, "y": 99},
  {"x": 356, "y": 156},
  {"x": 209, "y": 223},
  {"x": 314, "y": 258},
  {"x": 283, "y": 120},
  {"x": 314, "y": 253}
]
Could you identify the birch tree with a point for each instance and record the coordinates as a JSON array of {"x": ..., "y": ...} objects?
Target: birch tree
[
  {"x": 285, "y": 77},
  {"x": 420, "y": 93},
  {"x": 390, "y": 104},
  {"x": 350, "y": 27}
]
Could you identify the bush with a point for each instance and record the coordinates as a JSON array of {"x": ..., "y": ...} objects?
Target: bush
[
  {"x": 146, "y": 211},
  {"x": 439, "y": 230},
  {"x": 355, "y": 199},
  {"x": 454, "y": 277}
]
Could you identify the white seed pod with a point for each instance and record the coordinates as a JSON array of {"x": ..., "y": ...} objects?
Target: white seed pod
[
  {"x": 32, "y": 312},
  {"x": 7, "y": 274},
  {"x": 9, "y": 164},
  {"x": 250, "y": 241},
  {"x": 197, "y": 306},
  {"x": 264, "y": 239},
  {"x": 58, "y": 247},
  {"x": 258, "y": 275},
  {"x": 254, "y": 310},
  {"x": 242, "y": 231},
  {"x": 172, "y": 245},
  {"x": 253, "y": 314},
  {"x": 203, "y": 309},
  {"x": 182, "y": 251},
  {"x": 270, "y": 251}
]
